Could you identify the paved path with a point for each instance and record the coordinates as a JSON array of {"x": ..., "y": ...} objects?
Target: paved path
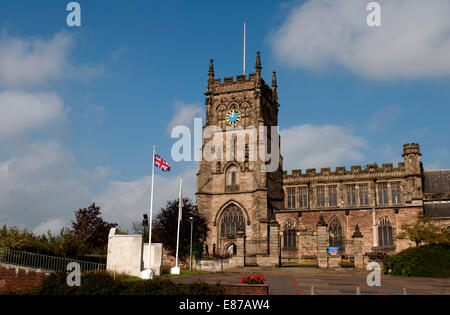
[{"x": 306, "y": 281}]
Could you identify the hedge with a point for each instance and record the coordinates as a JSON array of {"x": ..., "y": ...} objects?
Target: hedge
[
  {"x": 424, "y": 261},
  {"x": 101, "y": 283}
]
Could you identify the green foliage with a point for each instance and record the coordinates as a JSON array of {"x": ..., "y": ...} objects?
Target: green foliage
[
  {"x": 105, "y": 284},
  {"x": 91, "y": 228},
  {"x": 66, "y": 244},
  {"x": 424, "y": 261},
  {"x": 88, "y": 236},
  {"x": 424, "y": 231},
  {"x": 165, "y": 228}
]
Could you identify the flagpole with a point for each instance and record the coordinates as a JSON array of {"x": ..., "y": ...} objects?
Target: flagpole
[
  {"x": 149, "y": 270},
  {"x": 245, "y": 40},
  {"x": 176, "y": 269}
]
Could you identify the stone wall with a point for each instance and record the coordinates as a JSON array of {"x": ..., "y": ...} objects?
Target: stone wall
[
  {"x": 245, "y": 289},
  {"x": 126, "y": 255},
  {"x": 16, "y": 278}
]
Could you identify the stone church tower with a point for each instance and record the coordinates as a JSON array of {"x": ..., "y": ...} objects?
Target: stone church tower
[{"x": 234, "y": 193}]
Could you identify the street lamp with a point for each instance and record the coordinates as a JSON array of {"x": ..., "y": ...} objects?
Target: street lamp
[
  {"x": 145, "y": 224},
  {"x": 191, "y": 219}
]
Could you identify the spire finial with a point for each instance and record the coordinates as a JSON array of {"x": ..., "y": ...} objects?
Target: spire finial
[
  {"x": 274, "y": 81},
  {"x": 258, "y": 66},
  {"x": 211, "y": 69}
]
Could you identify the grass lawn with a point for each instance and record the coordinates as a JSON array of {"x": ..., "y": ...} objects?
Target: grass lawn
[{"x": 185, "y": 272}]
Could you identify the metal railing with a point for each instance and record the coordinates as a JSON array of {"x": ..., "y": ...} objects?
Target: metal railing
[{"x": 44, "y": 262}]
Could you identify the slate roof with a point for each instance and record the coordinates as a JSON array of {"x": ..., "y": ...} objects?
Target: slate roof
[
  {"x": 437, "y": 210},
  {"x": 436, "y": 181}
]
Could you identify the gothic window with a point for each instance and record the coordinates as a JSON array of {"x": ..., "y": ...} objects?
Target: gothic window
[
  {"x": 221, "y": 115},
  {"x": 383, "y": 194},
  {"x": 232, "y": 177},
  {"x": 290, "y": 239},
  {"x": 385, "y": 235},
  {"x": 332, "y": 196},
  {"x": 289, "y": 235},
  {"x": 232, "y": 221},
  {"x": 291, "y": 198},
  {"x": 303, "y": 197},
  {"x": 351, "y": 195},
  {"x": 320, "y": 197},
  {"x": 246, "y": 114},
  {"x": 396, "y": 193},
  {"x": 364, "y": 195},
  {"x": 335, "y": 234}
]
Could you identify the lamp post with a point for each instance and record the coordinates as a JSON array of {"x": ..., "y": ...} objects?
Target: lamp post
[
  {"x": 145, "y": 225},
  {"x": 191, "y": 219}
]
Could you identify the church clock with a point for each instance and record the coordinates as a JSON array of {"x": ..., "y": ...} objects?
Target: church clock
[{"x": 233, "y": 117}]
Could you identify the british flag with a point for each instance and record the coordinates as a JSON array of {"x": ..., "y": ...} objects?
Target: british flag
[{"x": 161, "y": 164}]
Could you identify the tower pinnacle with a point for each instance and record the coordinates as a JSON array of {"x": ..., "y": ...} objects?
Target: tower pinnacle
[
  {"x": 258, "y": 66},
  {"x": 211, "y": 69}
]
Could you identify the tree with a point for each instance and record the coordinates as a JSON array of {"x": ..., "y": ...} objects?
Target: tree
[
  {"x": 424, "y": 231},
  {"x": 91, "y": 228},
  {"x": 165, "y": 227}
]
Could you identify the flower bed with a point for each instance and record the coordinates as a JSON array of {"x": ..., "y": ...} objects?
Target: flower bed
[{"x": 253, "y": 279}]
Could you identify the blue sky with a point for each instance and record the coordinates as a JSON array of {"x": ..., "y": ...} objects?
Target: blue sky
[{"x": 92, "y": 101}]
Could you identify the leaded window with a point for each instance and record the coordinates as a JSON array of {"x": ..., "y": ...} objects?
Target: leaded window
[
  {"x": 336, "y": 238},
  {"x": 303, "y": 197},
  {"x": 320, "y": 197},
  {"x": 291, "y": 198},
  {"x": 396, "y": 193},
  {"x": 332, "y": 196},
  {"x": 385, "y": 235},
  {"x": 364, "y": 195},
  {"x": 383, "y": 194},
  {"x": 232, "y": 221},
  {"x": 290, "y": 239},
  {"x": 351, "y": 195}
]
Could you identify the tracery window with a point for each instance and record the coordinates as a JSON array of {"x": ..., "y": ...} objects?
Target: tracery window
[
  {"x": 385, "y": 235},
  {"x": 289, "y": 236},
  {"x": 336, "y": 236},
  {"x": 232, "y": 221}
]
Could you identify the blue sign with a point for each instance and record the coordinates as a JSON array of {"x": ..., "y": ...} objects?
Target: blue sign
[{"x": 333, "y": 251}]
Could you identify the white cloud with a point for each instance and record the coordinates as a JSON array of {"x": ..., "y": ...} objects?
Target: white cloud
[
  {"x": 21, "y": 111},
  {"x": 43, "y": 183},
  {"x": 384, "y": 117},
  {"x": 185, "y": 114},
  {"x": 126, "y": 201},
  {"x": 311, "y": 146},
  {"x": 34, "y": 61},
  {"x": 413, "y": 41},
  {"x": 54, "y": 226}
]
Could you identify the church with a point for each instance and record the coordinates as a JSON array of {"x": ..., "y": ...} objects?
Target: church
[{"x": 271, "y": 217}]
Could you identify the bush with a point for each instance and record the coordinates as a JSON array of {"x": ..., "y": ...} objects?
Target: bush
[
  {"x": 425, "y": 261},
  {"x": 105, "y": 284}
]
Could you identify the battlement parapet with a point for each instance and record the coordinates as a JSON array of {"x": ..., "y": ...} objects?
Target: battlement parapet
[
  {"x": 240, "y": 82},
  {"x": 354, "y": 170}
]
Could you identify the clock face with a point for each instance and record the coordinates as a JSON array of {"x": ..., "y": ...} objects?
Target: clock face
[{"x": 233, "y": 117}]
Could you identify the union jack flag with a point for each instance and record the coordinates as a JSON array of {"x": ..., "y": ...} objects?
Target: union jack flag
[{"x": 161, "y": 164}]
